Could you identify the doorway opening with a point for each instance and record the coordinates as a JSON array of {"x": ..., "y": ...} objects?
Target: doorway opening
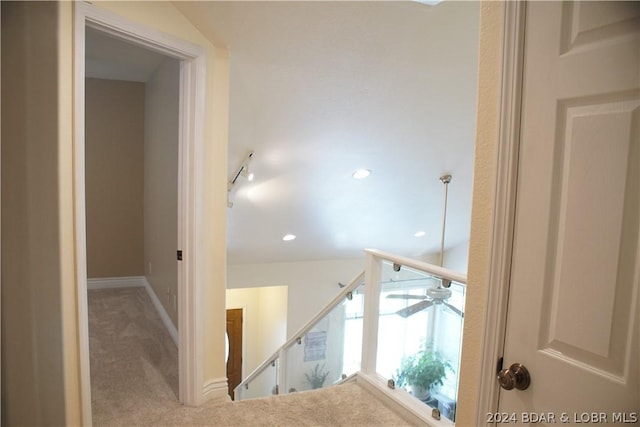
[
  {"x": 191, "y": 61},
  {"x": 131, "y": 194}
]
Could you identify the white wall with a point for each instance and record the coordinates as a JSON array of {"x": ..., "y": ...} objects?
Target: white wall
[
  {"x": 456, "y": 258},
  {"x": 312, "y": 284},
  {"x": 332, "y": 326},
  {"x": 162, "y": 94}
]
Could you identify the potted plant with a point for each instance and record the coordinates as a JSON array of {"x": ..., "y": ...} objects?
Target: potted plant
[
  {"x": 317, "y": 376},
  {"x": 422, "y": 371}
]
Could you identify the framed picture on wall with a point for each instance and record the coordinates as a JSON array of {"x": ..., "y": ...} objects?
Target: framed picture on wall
[{"x": 315, "y": 346}]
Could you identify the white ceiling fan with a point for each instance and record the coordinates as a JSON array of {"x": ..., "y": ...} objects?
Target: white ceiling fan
[{"x": 436, "y": 295}]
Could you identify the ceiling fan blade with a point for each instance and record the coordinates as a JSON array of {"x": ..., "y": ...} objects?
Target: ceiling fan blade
[
  {"x": 406, "y": 296},
  {"x": 454, "y": 309},
  {"x": 413, "y": 309}
]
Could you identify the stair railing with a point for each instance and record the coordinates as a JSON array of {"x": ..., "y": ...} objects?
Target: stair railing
[
  {"x": 406, "y": 312},
  {"x": 269, "y": 377}
]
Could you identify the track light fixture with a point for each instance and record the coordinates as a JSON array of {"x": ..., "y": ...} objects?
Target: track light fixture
[{"x": 244, "y": 171}]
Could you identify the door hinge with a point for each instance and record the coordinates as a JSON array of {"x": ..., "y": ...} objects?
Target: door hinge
[{"x": 179, "y": 255}]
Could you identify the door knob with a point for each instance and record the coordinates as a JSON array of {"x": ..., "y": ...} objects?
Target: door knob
[{"x": 517, "y": 376}]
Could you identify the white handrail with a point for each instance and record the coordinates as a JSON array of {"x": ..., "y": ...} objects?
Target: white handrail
[
  {"x": 357, "y": 281},
  {"x": 441, "y": 272}
]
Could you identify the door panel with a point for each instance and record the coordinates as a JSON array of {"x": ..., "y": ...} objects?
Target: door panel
[
  {"x": 584, "y": 23},
  {"x": 573, "y": 304},
  {"x": 593, "y": 189}
]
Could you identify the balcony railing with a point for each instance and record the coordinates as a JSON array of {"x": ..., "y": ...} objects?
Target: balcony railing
[{"x": 397, "y": 326}]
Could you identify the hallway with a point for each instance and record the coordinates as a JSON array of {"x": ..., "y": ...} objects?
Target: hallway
[{"x": 134, "y": 362}]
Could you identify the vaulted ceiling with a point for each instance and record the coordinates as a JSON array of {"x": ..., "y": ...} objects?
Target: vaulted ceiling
[{"x": 320, "y": 89}]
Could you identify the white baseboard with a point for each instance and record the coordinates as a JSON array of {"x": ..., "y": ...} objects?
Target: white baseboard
[
  {"x": 116, "y": 282},
  {"x": 137, "y": 282},
  {"x": 162, "y": 312},
  {"x": 215, "y": 388}
]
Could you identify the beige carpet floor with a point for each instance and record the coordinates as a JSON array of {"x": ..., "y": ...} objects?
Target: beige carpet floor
[
  {"x": 134, "y": 379},
  {"x": 134, "y": 362}
]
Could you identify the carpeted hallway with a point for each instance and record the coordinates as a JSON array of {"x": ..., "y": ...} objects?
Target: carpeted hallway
[
  {"x": 134, "y": 382},
  {"x": 134, "y": 362}
]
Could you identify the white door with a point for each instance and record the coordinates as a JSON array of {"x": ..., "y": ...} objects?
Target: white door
[{"x": 573, "y": 304}]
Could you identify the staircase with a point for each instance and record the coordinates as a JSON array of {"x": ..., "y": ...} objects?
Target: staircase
[{"x": 393, "y": 310}]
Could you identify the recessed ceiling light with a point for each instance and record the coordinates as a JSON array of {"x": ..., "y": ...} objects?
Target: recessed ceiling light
[
  {"x": 289, "y": 237},
  {"x": 361, "y": 174},
  {"x": 420, "y": 234}
]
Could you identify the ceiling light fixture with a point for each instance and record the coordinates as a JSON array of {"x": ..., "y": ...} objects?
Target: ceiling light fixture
[
  {"x": 361, "y": 174},
  {"x": 243, "y": 170},
  {"x": 420, "y": 234},
  {"x": 289, "y": 237}
]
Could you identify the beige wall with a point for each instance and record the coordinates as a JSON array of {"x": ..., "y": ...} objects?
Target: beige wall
[
  {"x": 40, "y": 353},
  {"x": 312, "y": 284},
  {"x": 161, "y": 183},
  {"x": 264, "y": 312},
  {"x": 39, "y": 345},
  {"x": 489, "y": 79},
  {"x": 114, "y": 171},
  {"x": 132, "y": 179}
]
